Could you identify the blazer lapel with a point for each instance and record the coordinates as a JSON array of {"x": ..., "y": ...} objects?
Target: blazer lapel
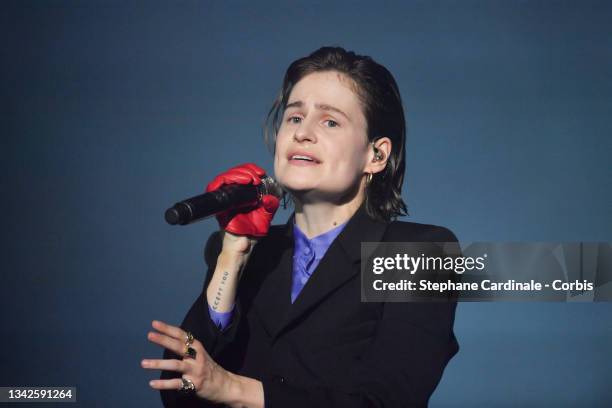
[
  {"x": 273, "y": 299},
  {"x": 340, "y": 263}
]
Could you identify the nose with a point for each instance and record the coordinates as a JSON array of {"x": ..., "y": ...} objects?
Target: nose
[{"x": 305, "y": 132}]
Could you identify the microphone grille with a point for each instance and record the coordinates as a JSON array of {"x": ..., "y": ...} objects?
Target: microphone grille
[{"x": 270, "y": 186}]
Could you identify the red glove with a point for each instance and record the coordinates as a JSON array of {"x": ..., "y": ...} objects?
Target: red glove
[{"x": 246, "y": 221}]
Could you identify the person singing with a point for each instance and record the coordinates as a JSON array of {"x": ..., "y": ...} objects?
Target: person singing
[{"x": 280, "y": 321}]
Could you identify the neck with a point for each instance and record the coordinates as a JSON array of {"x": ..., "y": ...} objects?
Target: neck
[{"x": 317, "y": 218}]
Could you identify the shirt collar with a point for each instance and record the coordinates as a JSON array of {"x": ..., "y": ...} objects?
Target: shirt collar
[{"x": 318, "y": 244}]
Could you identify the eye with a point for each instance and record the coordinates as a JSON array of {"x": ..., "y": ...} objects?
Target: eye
[
  {"x": 332, "y": 123},
  {"x": 291, "y": 119}
]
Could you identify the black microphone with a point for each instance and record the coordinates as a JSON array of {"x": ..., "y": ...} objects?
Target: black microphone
[{"x": 227, "y": 197}]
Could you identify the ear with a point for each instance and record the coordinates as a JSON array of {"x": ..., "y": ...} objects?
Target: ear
[{"x": 378, "y": 155}]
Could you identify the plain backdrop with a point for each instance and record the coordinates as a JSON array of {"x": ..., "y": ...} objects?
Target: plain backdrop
[{"x": 112, "y": 111}]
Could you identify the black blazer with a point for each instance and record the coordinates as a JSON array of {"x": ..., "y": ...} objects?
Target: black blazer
[{"x": 328, "y": 349}]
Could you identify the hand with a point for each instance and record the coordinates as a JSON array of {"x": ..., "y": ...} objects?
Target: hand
[
  {"x": 211, "y": 381},
  {"x": 249, "y": 221},
  {"x": 237, "y": 248}
]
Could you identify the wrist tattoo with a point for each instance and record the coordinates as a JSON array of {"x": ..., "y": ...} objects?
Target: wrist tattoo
[{"x": 219, "y": 290}]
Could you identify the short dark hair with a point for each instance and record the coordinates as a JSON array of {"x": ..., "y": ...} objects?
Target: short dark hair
[{"x": 383, "y": 110}]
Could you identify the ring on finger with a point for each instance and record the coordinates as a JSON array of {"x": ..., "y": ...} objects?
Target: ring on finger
[
  {"x": 187, "y": 386},
  {"x": 189, "y": 352},
  {"x": 189, "y": 339}
]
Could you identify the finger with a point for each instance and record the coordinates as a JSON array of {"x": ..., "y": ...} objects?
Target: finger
[
  {"x": 227, "y": 179},
  {"x": 168, "y": 365},
  {"x": 178, "y": 334},
  {"x": 173, "y": 384},
  {"x": 242, "y": 176},
  {"x": 270, "y": 203},
  {"x": 170, "y": 343},
  {"x": 253, "y": 175},
  {"x": 199, "y": 347},
  {"x": 168, "y": 329},
  {"x": 215, "y": 184},
  {"x": 236, "y": 175},
  {"x": 255, "y": 169}
]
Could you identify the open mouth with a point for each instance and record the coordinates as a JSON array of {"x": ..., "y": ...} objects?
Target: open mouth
[{"x": 303, "y": 158}]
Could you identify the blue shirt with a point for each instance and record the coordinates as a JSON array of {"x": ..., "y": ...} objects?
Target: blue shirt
[{"x": 307, "y": 254}]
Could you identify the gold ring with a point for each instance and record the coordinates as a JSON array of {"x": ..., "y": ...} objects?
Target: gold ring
[{"x": 189, "y": 339}]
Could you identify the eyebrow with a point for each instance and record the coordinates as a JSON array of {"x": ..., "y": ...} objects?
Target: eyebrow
[{"x": 320, "y": 106}]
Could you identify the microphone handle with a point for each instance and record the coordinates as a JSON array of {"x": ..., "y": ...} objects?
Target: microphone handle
[{"x": 193, "y": 209}]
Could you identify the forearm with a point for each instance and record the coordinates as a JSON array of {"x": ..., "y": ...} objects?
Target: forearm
[
  {"x": 221, "y": 291},
  {"x": 235, "y": 253}
]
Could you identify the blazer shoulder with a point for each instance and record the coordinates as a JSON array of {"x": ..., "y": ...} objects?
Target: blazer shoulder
[{"x": 415, "y": 232}]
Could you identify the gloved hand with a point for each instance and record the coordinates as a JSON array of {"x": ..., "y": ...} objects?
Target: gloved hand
[{"x": 246, "y": 221}]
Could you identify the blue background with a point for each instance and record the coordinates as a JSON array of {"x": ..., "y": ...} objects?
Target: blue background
[{"x": 112, "y": 111}]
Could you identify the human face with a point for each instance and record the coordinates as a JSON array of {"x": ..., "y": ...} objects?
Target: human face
[{"x": 323, "y": 121}]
